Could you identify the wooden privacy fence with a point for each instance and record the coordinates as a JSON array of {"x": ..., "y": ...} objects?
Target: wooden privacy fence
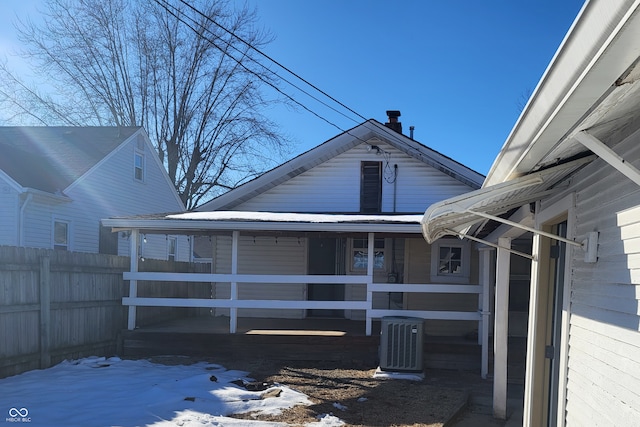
[{"x": 57, "y": 305}]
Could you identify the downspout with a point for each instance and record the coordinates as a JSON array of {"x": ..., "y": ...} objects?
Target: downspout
[{"x": 21, "y": 226}]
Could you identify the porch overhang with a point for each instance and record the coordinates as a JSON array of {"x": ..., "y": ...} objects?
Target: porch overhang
[
  {"x": 456, "y": 215},
  {"x": 224, "y": 221}
]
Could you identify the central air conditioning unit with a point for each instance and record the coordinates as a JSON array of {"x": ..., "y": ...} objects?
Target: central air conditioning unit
[{"x": 401, "y": 341}]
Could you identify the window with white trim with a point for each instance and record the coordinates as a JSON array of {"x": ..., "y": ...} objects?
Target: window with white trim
[
  {"x": 60, "y": 235},
  {"x": 359, "y": 254},
  {"x": 172, "y": 248},
  {"x": 138, "y": 166},
  {"x": 450, "y": 260}
]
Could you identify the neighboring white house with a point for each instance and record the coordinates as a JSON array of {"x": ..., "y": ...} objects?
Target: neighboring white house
[
  {"x": 334, "y": 232},
  {"x": 57, "y": 183},
  {"x": 572, "y": 160}
]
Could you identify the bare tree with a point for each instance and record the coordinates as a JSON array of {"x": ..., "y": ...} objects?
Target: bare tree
[{"x": 196, "y": 88}]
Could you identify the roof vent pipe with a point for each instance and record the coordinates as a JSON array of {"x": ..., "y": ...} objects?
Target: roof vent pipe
[{"x": 411, "y": 129}]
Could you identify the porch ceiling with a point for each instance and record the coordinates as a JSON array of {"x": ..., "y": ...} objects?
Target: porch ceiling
[
  {"x": 207, "y": 222},
  {"x": 458, "y": 214}
]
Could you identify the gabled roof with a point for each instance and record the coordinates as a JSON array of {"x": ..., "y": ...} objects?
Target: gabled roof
[
  {"x": 50, "y": 158},
  {"x": 369, "y": 132}
]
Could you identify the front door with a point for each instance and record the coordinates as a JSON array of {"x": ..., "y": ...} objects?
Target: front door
[{"x": 326, "y": 257}]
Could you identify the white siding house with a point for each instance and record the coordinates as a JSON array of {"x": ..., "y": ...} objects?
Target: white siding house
[
  {"x": 573, "y": 161},
  {"x": 58, "y": 183},
  {"x": 333, "y": 233}
]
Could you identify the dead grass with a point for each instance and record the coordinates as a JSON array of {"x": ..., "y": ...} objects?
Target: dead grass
[{"x": 367, "y": 401}]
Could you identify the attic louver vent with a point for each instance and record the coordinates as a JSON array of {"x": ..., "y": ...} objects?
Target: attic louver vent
[{"x": 371, "y": 187}]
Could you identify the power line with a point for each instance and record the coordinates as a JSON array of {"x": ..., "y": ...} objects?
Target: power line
[
  {"x": 271, "y": 59},
  {"x": 261, "y": 78},
  {"x": 390, "y": 133},
  {"x": 165, "y": 6}
]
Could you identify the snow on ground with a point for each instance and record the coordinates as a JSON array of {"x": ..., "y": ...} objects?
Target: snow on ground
[{"x": 114, "y": 392}]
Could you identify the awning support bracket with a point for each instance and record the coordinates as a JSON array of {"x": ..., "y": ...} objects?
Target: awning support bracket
[
  {"x": 588, "y": 245},
  {"x": 608, "y": 155},
  {"x": 526, "y": 228},
  {"x": 493, "y": 245}
]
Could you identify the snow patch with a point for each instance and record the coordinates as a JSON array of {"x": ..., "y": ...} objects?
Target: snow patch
[{"x": 97, "y": 391}]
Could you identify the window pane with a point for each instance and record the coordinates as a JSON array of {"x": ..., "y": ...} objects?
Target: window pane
[
  {"x": 60, "y": 236},
  {"x": 60, "y": 233},
  {"x": 172, "y": 248},
  {"x": 360, "y": 251},
  {"x": 359, "y": 259},
  {"x": 139, "y": 167},
  {"x": 360, "y": 243},
  {"x": 378, "y": 259},
  {"x": 450, "y": 260}
]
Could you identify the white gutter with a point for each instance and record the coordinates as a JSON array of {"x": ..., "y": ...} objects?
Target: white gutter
[{"x": 161, "y": 226}]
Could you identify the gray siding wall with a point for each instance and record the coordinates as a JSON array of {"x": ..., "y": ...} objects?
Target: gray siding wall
[
  {"x": 334, "y": 186},
  {"x": 38, "y": 224},
  {"x": 603, "y": 377},
  {"x": 9, "y": 213}
]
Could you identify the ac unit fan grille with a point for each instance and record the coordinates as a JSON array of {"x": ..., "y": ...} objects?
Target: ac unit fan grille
[{"x": 401, "y": 344}]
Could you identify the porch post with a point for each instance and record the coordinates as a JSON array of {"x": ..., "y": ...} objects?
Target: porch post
[
  {"x": 133, "y": 284},
  {"x": 500, "y": 333},
  {"x": 370, "y": 261},
  {"x": 485, "y": 309},
  {"x": 233, "y": 312}
]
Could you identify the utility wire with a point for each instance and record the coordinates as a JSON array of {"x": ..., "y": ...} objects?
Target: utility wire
[
  {"x": 271, "y": 59},
  {"x": 261, "y": 78},
  {"x": 166, "y": 4},
  {"x": 390, "y": 133}
]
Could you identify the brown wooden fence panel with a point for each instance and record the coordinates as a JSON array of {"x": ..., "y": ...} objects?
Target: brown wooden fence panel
[{"x": 57, "y": 305}]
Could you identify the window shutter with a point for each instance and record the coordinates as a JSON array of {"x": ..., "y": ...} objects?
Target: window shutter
[{"x": 371, "y": 187}]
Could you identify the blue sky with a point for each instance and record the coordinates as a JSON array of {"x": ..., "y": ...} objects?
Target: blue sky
[{"x": 459, "y": 71}]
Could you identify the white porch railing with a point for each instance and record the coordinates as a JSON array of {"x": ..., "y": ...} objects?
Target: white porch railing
[{"x": 234, "y": 303}]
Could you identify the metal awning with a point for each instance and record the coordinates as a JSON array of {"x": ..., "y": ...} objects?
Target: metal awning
[{"x": 457, "y": 214}]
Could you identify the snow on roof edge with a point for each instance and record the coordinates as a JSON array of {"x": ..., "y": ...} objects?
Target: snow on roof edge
[{"x": 293, "y": 217}]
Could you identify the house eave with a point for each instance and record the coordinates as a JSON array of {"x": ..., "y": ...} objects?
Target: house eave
[
  {"x": 598, "y": 50},
  {"x": 45, "y": 195}
]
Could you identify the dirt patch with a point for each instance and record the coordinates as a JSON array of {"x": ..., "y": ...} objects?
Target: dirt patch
[{"x": 352, "y": 394}]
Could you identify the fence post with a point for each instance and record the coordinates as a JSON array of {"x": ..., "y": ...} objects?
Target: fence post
[
  {"x": 45, "y": 312},
  {"x": 233, "y": 312}
]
